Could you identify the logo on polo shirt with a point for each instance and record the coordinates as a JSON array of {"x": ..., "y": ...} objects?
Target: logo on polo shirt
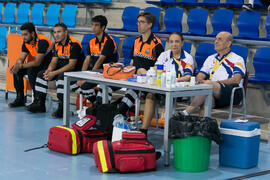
[{"x": 147, "y": 51}]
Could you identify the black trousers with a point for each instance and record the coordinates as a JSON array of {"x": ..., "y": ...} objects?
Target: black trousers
[{"x": 32, "y": 75}]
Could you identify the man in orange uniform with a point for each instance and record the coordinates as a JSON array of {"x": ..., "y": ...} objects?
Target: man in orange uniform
[
  {"x": 67, "y": 56},
  {"x": 36, "y": 47}
]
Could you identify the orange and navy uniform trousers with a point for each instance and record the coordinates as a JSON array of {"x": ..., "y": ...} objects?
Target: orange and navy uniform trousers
[
  {"x": 144, "y": 55},
  {"x": 106, "y": 47},
  {"x": 72, "y": 49},
  {"x": 42, "y": 45}
]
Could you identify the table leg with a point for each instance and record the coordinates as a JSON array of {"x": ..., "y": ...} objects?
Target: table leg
[
  {"x": 66, "y": 101},
  {"x": 104, "y": 93},
  {"x": 208, "y": 104},
  {"x": 168, "y": 114}
]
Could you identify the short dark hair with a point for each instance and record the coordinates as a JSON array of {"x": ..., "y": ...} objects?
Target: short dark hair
[
  {"x": 29, "y": 27},
  {"x": 101, "y": 19},
  {"x": 150, "y": 18},
  {"x": 61, "y": 25},
  {"x": 177, "y": 33}
]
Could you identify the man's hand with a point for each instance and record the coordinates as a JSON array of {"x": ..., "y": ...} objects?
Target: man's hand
[
  {"x": 48, "y": 75},
  {"x": 16, "y": 67},
  {"x": 80, "y": 83}
]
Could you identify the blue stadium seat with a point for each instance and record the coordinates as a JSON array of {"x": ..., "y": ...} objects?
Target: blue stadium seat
[
  {"x": 1, "y": 6},
  {"x": 155, "y": 11},
  {"x": 212, "y": 3},
  {"x": 3, "y": 40},
  {"x": 235, "y": 3},
  {"x": 9, "y": 13},
  {"x": 203, "y": 51},
  {"x": 261, "y": 65},
  {"x": 129, "y": 18},
  {"x": 248, "y": 24},
  {"x": 187, "y": 46},
  {"x": 197, "y": 21},
  {"x": 69, "y": 15},
  {"x": 22, "y": 13},
  {"x": 188, "y": 2},
  {"x": 219, "y": 23},
  {"x": 37, "y": 14},
  {"x": 53, "y": 14},
  {"x": 173, "y": 20},
  {"x": 241, "y": 51},
  {"x": 162, "y": 2},
  {"x": 127, "y": 48},
  {"x": 267, "y": 26},
  {"x": 85, "y": 42}
]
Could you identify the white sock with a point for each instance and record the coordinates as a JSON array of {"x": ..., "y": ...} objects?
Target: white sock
[{"x": 185, "y": 113}]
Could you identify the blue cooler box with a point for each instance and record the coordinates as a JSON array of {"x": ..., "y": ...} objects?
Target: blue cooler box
[{"x": 240, "y": 146}]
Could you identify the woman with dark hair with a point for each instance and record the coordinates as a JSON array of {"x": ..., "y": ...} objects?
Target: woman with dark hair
[{"x": 176, "y": 58}]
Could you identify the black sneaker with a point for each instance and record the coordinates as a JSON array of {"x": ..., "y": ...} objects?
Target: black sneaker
[
  {"x": 36, "y": 107},
  {"x": 16, "y": 103},
  {"x": 58, "y": 113},
  {"x": 248, "y": 7}
]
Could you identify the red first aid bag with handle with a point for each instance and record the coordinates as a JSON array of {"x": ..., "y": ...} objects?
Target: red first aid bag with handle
[
  {"x": 89, "y": 137},
  {"x": 65, "y": 140},
  {"x": 131, "y": 154}
]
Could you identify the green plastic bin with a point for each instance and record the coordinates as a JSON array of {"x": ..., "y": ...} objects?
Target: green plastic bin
[{"x": 192, "y": 154}]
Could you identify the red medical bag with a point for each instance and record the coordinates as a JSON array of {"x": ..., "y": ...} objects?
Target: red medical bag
[
  {"x": 132, "y": 153},
  {"x": 65, "y": 140}
]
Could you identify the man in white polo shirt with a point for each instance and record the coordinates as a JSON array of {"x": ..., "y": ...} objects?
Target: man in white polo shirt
[{"x": 224, "y": 71}]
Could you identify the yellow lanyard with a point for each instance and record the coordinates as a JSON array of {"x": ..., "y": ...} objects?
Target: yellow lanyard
[
  {"x": 217, "y": 65},
  {"x": 179, "y": 66}
]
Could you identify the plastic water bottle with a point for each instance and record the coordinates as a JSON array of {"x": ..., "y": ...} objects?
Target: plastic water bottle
[
  {"x": 120, "y": 122},
  {"x": 168, "y": 78},
  {"x": 173, "y": 77},
  {"x": 163, "y": 79},
  {"x": 159, "y": 73}
]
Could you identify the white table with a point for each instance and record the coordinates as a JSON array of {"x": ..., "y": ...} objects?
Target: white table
[{"x": 170, "y": 94}]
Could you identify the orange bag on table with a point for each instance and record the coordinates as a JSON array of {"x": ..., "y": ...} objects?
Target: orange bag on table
[{"x": 118, "y": 71}]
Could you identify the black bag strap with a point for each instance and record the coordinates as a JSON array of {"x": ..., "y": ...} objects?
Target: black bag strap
[
  {"x": 39, "y": 147},
  {"x": 121, "y": 67}
]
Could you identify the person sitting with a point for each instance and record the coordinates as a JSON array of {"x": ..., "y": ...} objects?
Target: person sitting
[
  {"x": 176, "y": 58},
  {"x": 146, "y": 50},
  {"x": 37, "y": 48},
  {"x": 67, "y": 56},
  {"x": 101, "y": 49},
  {"x": 224, "y": 71}
]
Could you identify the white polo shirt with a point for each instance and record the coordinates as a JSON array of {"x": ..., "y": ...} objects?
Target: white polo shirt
[
  {"x": 233, "y": 64},
  {"x": 186, "y": 60}
]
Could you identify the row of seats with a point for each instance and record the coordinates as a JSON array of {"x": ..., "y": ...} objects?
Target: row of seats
[
  {"x": 205, "y": 3},
  {"x": 52, "y": 14},
  {"x": 65, "y": 1},
  {"x": 248, "y": 21}
]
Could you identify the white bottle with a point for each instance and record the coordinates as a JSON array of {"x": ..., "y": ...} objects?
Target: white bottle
[
  {"x": 173, "y": 76},
  {"x": 163, "y": 78},
  {"x": 168, "y": 78},
  {"x": 153, "y": 75}
]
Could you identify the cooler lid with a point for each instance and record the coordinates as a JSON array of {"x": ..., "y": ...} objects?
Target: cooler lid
[{"x": 244, "y": 126}]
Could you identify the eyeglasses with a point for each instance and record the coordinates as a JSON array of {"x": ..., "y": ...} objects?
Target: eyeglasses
[{"x": 141, "y": 22}]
